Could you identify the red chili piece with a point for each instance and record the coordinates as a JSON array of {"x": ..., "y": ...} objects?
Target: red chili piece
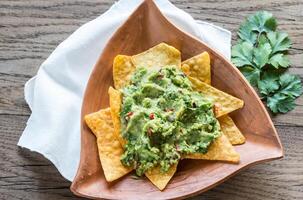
[
  {"x": 151, "y": 116},
  {"x": 129, "y": 114}
]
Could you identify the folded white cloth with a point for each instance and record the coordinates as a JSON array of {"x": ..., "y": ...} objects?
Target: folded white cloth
[{"x": 55, "y": 93}]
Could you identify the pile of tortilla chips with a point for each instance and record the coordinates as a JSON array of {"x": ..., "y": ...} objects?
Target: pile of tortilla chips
[{"x": 105, "y": 124}]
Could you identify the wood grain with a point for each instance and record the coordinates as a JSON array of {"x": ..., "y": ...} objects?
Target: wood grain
[{"x": 29, "y": 32}]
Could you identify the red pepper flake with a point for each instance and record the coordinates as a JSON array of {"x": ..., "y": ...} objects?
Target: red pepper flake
[
  {"x": 129, "y": 114},
  {"x": 151, "y": 116}
]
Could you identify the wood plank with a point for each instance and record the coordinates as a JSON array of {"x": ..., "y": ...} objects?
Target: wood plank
[{"x": 25, "y": 174}]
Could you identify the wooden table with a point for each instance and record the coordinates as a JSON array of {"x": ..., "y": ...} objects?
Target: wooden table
[{"x": 30, "y": 30}]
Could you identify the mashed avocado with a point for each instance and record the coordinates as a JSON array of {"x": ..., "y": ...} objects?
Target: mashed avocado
[{"x": 163, "y": 118}]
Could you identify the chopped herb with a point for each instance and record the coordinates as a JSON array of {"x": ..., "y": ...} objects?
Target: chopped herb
[{"x": 261, "y": 55}]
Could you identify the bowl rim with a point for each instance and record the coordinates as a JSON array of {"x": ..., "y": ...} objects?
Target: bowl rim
[{"x": 277, "y": 155}]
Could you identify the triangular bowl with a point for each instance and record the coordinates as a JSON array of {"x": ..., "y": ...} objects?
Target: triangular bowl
[{"x": 145, "y": 28}]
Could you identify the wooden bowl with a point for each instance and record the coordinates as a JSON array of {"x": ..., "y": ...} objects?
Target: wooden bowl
[{"x": 145, "y": 28}]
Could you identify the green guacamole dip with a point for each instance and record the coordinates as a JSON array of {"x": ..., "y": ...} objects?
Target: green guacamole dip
[{"x": 163, "y": 118}]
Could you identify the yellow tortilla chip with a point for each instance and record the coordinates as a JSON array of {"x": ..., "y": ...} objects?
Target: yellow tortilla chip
[
  {"x": 158, "y": 56},
  {"x": 160, "y": 180},
  {"x": 110, "y": 150},
  {"x": 115, "y": 101},
  {"x": 198, "y": 71},
  {"x": 230, "y": 129},
  {"x": 122, "y": 70},
  {"x": 198, "y": 67},
  {"x": 156, "y": 177},
  {"x": 224, "y": 102},
  {"x": 221, "y": 149}
]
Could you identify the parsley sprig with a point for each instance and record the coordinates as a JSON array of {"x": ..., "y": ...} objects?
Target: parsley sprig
[{"x": 261, "y": 55}]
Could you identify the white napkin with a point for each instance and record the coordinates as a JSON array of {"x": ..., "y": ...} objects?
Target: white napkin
[{"x": 55, "y": 93}]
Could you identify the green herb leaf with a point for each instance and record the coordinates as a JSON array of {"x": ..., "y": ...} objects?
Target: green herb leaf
[
  {"x": 278, "y": 41},
  {"x": 290, "y": 85},
  {"x": 279, "y": 60},
  {"x": 252, "y": 74},
  {"x": 280, "y": 103},
  {"x": 262, "y": 39},
  {"x": 283, "y": 99},
  {"x": 262, "y": 21},
  {"x": 261, "y": 55},
  {"x": 246, "y": 33},
  {"x": 269, "y": 83},
  {"x": 242, "y": 54}
]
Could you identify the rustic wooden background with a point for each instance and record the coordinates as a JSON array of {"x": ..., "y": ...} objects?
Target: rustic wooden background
[{"x": 31, "y": 29}]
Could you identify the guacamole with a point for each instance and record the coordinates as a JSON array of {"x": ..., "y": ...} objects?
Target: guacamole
[{"x": 163, "y": 118}]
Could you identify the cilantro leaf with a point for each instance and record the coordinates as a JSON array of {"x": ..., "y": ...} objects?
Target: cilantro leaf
[
  {"x": 262, "y": 21},
  {"x": 279, "y": 60},
  {"x": 278, "y": 41},
  {"x": 252, "y": 74},
  {"x": 283, "y": 99},
  {"x": 269, "y": 83},
  {"x": 251, "y": 60},
  {"x": 242, "y": 54},
  {"x": 290, "y": 85},
  {"x": 246, "y": 34},
  {"x": 280, "y": 103},
  {"x": 261, "y": 55},
  {"x": 252, "y": 71},
  {"x": 262, "y": 39}
]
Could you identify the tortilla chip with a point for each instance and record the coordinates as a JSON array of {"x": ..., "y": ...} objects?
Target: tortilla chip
[
  {"x": 115, "y": 101},
  {"x": 221, "y": 149},
  {"x": 198, "y": 67},
  {"x": 110, "y": 150},
  {"x": 122, "y": 70},
  {"x": 231, "y": 131},
  {"x": 224, "y": 102},
  {"x": 160, "y": 180},
  {"x": 156, "y": 177},
  {"x": 158, "y": 56}
]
